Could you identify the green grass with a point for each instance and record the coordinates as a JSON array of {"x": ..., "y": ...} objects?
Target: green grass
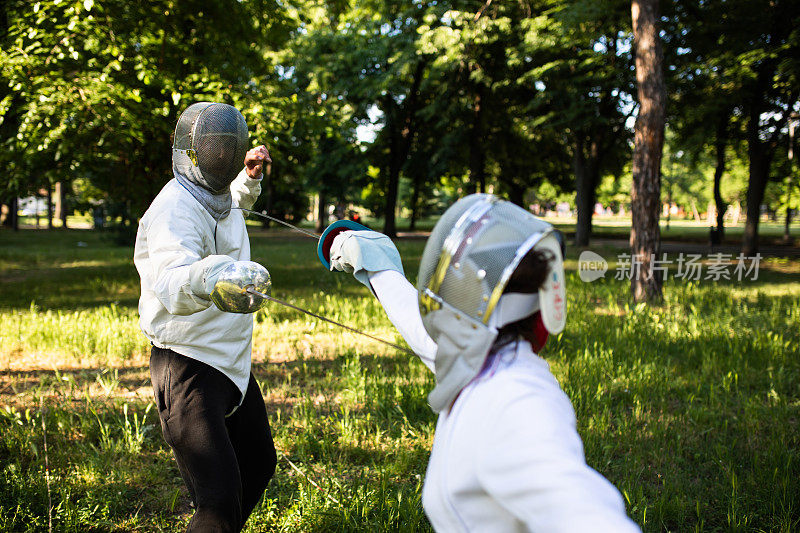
[
  {"x": 691, "y": 408},
  {"x": 770, "y": 233}
]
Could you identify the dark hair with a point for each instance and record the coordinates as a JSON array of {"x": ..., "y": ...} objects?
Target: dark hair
[
  {"x": 528, "y": 278},
  {"x": 531, "y": 272}
]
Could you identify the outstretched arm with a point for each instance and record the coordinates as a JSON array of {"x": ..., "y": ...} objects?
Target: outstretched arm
[
  {"x": 374, "y": 261},
  {"x": 399, "y": 299}
]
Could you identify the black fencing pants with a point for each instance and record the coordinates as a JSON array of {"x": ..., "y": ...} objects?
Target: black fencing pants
[{"x": 226, "y": 463}]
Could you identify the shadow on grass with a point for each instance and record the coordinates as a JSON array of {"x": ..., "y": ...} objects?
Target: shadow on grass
[
  {"x": 70, "y": 288},
  {"x": 22, "y": 381}
]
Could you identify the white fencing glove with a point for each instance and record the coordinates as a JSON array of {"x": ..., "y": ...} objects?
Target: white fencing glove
[
  {"x": 203, "y": 274},
  {"x": 362, "y": 252}
]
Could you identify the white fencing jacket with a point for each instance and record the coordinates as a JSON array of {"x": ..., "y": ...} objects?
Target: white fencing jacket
[
  {"x": 178, "y": 246},
  {"x": 506, "y": 456}
]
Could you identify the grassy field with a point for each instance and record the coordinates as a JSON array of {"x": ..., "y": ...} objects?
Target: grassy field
[
  {"x": 604, "y": 227},
  {"x": 692, "y": 409}
]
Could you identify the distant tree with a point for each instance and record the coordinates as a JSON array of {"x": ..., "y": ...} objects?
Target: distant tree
[
  {"x": 527, "y": 157},
  {"x": 770, "y": 73},
  {"x": 786, "y": 189},
  {"x": 791, "y": 196},
  {"x": 365, "y": 60},
  {"x": 472, "y": 44},
  {"x": 734, "y": 75},
  {"x": 702, "y": 103},
  {"x": 737, "y": 79},
  {"x": 426, "y": 163},
  {"x": 487, "y": 127},
  {"x": 581, "y": 67},
  {"x": 97, "y": 85}
]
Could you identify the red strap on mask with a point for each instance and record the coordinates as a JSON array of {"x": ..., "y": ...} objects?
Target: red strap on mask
[{"x": 540, "y": 333}]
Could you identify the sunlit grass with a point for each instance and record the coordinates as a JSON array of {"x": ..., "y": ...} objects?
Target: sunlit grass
[
  {"x": 691, "y": 408},
  {"x": 101, "y": 335}
]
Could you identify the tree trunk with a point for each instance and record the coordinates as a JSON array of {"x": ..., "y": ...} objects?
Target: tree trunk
[
  {"x": 12, "y": 220},
  {"x": 322, "y": 213},
  {"x": 62, "y": 207},
  {"x": 57, "y": 209},
  {"x": 516, "y": 193},
  {"x": 392, "y": 186},
  {"x": 759, "y": 172},
  {"x": 5, "y": 217},
  {"x": 583, "y": 206},
  {"x": 15, "y": 214},
  {"x": 49, "y": 198},
  {"x": 415, "y": 201},
  {"x": 400, "y": 147},
  {"x": 792, "y": 124},
  {"x": 587, "y": 169},
  {"x": 648, "y": 145},
  {"x": 760, "y": 154},
  {"x": 761, "y": 145},
  {"x": 477, "y": 150},
  {"x": 718, "y": 234}
]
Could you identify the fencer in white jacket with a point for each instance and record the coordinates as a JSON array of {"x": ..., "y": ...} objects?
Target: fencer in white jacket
[
  {"x": 211, "y": 409},
  {"x": 180, "y": 249},
  {"x": 506, "y": 454}
]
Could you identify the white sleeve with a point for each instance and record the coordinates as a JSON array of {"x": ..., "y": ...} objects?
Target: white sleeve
[
  {"x": 183, "y": 279},
  {"x": 399, "y": 299},
  {"x": 532, "y": 464},
  {"x": 245, "y": 190}
]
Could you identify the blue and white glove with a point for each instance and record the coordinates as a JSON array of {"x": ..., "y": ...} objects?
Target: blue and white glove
[{"x": 362, "y": 252}]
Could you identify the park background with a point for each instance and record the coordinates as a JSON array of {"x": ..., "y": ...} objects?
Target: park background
[{"x": 688, "y": 401}]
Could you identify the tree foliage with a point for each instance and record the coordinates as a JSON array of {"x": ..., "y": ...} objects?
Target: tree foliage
[
  {"x": 531, "y": 99},
  {"x": 94, "y": 88}
]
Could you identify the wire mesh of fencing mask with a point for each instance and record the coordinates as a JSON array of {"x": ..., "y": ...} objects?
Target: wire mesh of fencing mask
[
  {"x": 465, "y": 267},
  {"x": 210, "y": 142}
]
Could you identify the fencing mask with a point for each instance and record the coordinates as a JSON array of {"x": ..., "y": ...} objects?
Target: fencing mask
[
  {"x": 210, "y": 144},
  {"x": 465, "y": 267}
]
